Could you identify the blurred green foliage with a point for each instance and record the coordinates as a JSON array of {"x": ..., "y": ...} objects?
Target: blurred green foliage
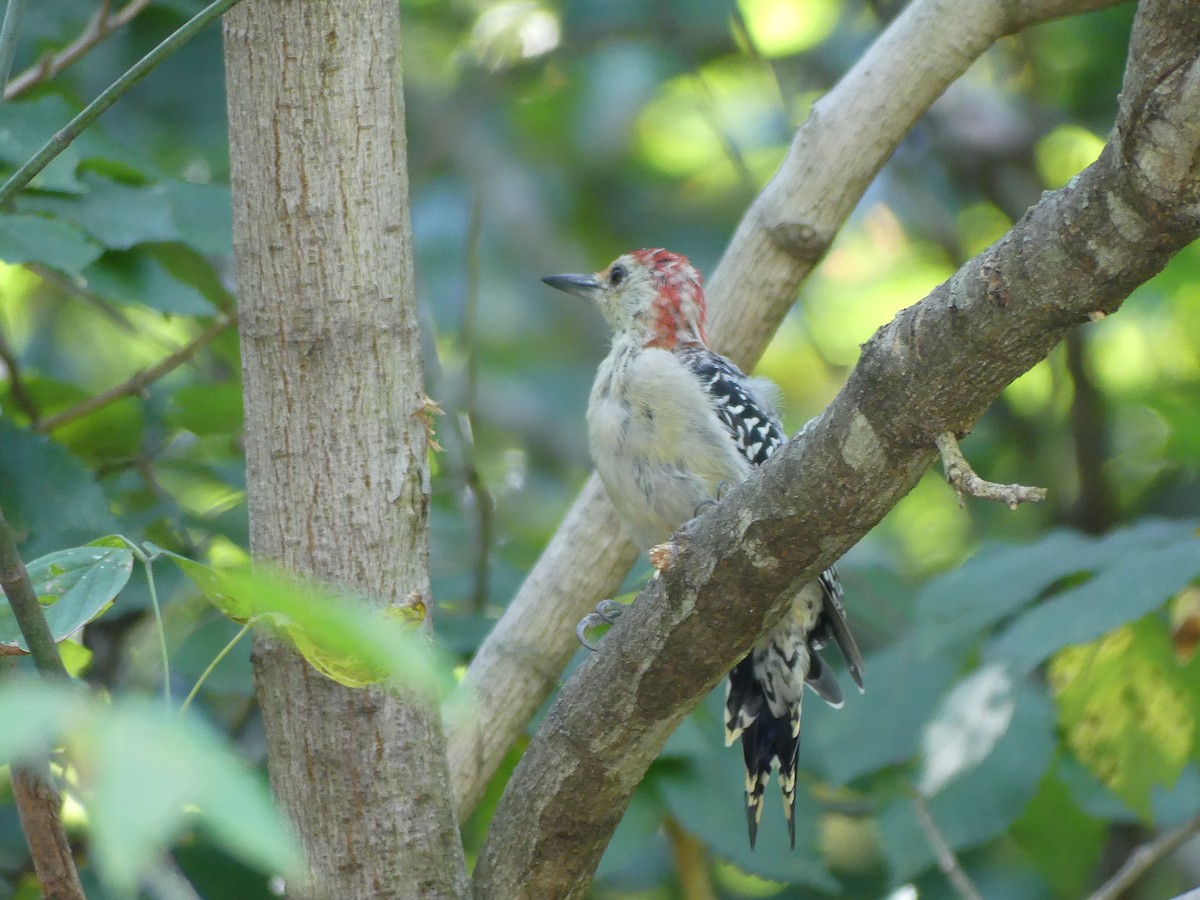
[{"x": 1030, "y": 671}]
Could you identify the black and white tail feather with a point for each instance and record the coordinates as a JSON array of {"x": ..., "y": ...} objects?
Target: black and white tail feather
[{"x": 766, "y": 689}]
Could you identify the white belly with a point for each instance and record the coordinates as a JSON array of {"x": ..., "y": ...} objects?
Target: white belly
[{"x": 658, "y": 445}]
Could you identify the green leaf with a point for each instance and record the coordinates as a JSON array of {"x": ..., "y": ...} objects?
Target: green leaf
[
  {"x": 1129, "y": 587},
  {"x": 115, "y": 214},
  {"x": 202, "y": 216},
  {"x": 212, "y": 584},
  {"x": 139, "y": 278},
  {"x": 207, "y": 409},
  {"x": 74, "y": 587},
  {"x": 1130, "y": 710},
  {"x": 25, "y": 126},
  {"x": 1011, "y": 577},
  {"x": 47, "y": 495},
  {"x": 146, "y": 776},
  {"x": 45, "y": 711},
  {"x": 77, "y": 659},
  {"x": 120, "y": 215},
  {"x": 903, "y": 689},
  {"x": 114, "y": 431},
  {"x": 1175, "y": 804},
  {"x": 1063, "y": 840},
  {"x": 26, "y": 238},
  {"x": 1091, "y": 794},
  {"x": 351, "y": 641},
  {"x": 949, "y": 608},
  {"x": 981, "y": 802},
  {"x": 149, "y": 765}
]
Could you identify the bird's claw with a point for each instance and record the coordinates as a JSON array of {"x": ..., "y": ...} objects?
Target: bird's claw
[
  {"x": 705, "y": 505},
  {"x": 607, "y": 612}
]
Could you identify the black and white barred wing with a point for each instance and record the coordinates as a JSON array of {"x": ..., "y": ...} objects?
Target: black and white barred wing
[
  {"x": 740, "y": 403},
  {"x": 746, "y": 407}
]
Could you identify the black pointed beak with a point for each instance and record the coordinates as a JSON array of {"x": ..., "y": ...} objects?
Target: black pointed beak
[{"x": 584, "y": 286}]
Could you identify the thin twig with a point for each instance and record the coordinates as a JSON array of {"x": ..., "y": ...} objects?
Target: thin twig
[
  {"x": 484, "y": 502},
  {"x": 16, "y": 385},
  {"x": 216, "y": 661},
  {"x": 742, "y": 32},
  {"x": 39, "y": 808},
  {"x": 63, "y": 138},
  {"x": 691, "y": 861},
  {"x": 1095, "y": 511},
  {"x": 99, "y": 27},
  {"x": 72, "y": 288},
  {"x": 137, "y": 382},
  {"x": 38, "y": 803},
  {"x": 8, "y": 36},
  {"x": 946, "y": 859},
  {"x": 709, "y": 108},
  {"x": 1144, "y": 857},
  {"x": 963, "y": 479},
  {"x": 26, "y": 609}
]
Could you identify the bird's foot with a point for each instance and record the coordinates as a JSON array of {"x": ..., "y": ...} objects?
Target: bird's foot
[
  {"x": 607, "y": 612},
  {"x": 705, "y": 505}
]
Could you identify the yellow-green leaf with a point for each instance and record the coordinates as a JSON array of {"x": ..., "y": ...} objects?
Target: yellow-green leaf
[{"x": 1129, "y": 709}]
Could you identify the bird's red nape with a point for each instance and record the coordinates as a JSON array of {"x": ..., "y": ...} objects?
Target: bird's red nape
[{"x": 679, "y": 302}]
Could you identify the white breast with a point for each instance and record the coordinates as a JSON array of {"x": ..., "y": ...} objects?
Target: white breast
[{"x": 657, "y": 443}]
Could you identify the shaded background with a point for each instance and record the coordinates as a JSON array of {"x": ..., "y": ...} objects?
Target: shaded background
[{"x": 1043, "y": 693}]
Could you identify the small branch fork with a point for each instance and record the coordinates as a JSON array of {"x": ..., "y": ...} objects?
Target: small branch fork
[
  {"x": 100, "y": 26},
  {"x": 963, "y": 479}
]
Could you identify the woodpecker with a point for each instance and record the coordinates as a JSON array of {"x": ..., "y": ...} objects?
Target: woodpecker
[{"x": 671, "y": 423}]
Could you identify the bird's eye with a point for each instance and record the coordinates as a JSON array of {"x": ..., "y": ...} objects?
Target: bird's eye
[{"x": 616, "y": 275}]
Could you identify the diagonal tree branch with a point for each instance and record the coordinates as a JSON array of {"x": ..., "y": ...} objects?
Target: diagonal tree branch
[
  {"x": 935, "y": 368},
  {"x": 1144, "y": 857},
  {"x": 851, "y": 132},
  {"x": 16, "y": 384},
  {"x": 833, "y": 157},
  {"x": 139, "y": 381}
]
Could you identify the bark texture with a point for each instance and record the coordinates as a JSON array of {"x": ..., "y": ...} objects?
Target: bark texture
[
  {"x": 335, "y": 431},
  {"x": 935, "y": 368},
  {"x": 834, "y": 155},
  {"x": 39, "y": 806}
]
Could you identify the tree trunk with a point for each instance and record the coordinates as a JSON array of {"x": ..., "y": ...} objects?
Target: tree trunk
[{"x": 335, "y": 434}]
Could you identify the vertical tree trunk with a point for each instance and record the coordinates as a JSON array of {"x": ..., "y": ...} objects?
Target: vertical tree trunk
[{"x": 335, "y": 440}]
